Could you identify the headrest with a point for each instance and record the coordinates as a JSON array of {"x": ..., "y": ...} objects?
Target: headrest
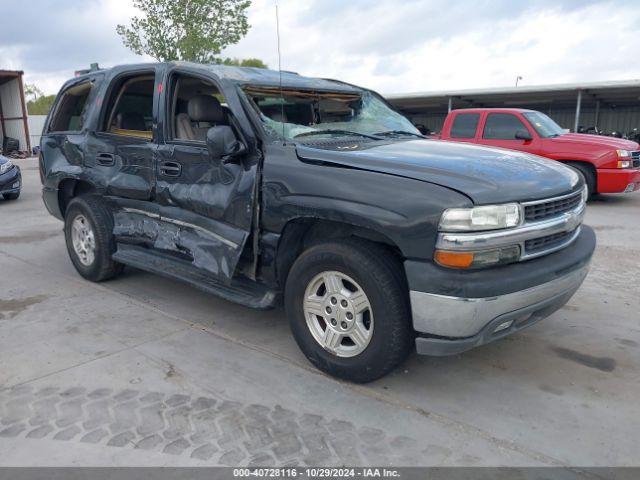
[
  {"x": 205, "y": 108},
  {"x": 132, "y": 121}
]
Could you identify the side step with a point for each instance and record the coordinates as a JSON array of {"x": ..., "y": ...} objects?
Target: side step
[{"x": 244, "y": 292}]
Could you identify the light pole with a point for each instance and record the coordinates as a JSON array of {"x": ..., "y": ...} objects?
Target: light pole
[{"x": 518, "y": 78}]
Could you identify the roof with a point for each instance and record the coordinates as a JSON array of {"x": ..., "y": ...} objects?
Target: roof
[
  {"x": 8, "y": 75},
  {"x": 11, "y": 73},
  {"x": 255, "y": 76},
  {"x": 271, "y": 78},
  {"x": 610, "y": 92},
  {"x": 484, "y": 109}
]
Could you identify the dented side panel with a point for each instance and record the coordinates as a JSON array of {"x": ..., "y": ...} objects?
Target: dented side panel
[
  {"x": 191, "y": 243},
  {"x": 390, "y": 205},
  {"x": 210, "y": 202},
  {"x": 207, "y": 188},
  {"x": 132, "y": 174}
]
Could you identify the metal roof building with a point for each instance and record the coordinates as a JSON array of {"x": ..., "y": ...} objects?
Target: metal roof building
[
  {"x": 13, "y": 110},
  {"x": 609, "y": 106}
]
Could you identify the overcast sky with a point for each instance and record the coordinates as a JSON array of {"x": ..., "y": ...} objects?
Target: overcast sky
[{"x": 390, "y": 46}]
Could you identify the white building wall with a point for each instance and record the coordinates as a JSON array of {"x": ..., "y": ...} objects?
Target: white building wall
[{"x": 36, "y": 124}]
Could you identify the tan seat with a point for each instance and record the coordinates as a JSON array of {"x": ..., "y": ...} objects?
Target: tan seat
[
  {"x": 184, "y": 129},
  {"x": 204, "y": 112}
]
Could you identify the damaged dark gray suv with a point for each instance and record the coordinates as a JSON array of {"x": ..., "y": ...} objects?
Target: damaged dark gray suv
[{"x": 314, "y": 193}]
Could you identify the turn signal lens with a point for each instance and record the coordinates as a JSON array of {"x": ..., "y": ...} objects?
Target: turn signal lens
[
  {"x": 625, "y": 163},
  {"x": 454, "y": 259},
  {"x": 623, "y": 153}
]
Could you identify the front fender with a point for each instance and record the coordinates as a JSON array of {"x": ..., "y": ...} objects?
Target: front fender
[{"x": 404, "y": 210}]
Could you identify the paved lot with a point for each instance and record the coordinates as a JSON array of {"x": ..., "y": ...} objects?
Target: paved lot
[{"x": 146, "y": 371}]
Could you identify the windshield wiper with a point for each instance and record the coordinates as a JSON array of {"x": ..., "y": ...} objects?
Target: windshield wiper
[
  {"x": 400, "y": 132},
  {"x": 339, "y": 132}
]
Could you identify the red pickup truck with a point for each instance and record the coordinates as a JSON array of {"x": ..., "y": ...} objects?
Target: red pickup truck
[{"x": 609, "y": 165}]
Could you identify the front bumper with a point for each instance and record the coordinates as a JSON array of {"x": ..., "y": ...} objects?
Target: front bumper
[
  {"x": 611, "y": 180},
  {"x": 467, "y": 311},
  {"x": 11, "y": 181}
]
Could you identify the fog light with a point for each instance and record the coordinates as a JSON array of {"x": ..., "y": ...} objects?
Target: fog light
[
  {"x": 629, "y": 188},
  {"x": 494, "y": 257},
  {"x": 483, "y": 258},
  {"x": 16, "y": 185},
  {"x": 503, "y": 326}
]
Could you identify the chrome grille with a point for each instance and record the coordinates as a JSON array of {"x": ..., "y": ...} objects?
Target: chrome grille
[{"x": 536, "y": 211}]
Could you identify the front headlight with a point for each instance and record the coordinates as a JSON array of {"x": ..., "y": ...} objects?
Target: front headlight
[
  {"x": 624, "y": 159},
  {"x": 5, "y": 167},
  {"x": 489, "y": 217}
]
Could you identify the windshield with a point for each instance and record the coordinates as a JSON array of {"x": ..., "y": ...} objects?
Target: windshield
[
  {"x": 304, "y": 115},
  {"x": 545, "y": 127}
]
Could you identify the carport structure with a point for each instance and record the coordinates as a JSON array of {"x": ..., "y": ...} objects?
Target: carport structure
[
  {"x": 609, "y": 106},
  {"x": 13, "y": 111}
]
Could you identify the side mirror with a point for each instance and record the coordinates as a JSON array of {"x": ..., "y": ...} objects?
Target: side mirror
[
  {"x": 523, "y": 135},
  {"x": 223, "y": 145}
]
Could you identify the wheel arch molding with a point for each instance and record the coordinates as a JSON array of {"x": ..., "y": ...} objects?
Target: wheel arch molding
[{"x": 300, "y": 233}]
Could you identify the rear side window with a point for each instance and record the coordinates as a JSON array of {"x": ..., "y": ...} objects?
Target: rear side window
[
  {"x": 465, "y": 125},
  {"x": 130, "y": 107},
  {"x": 502, "y": 126},
  {"x": 70, "y": 110}
]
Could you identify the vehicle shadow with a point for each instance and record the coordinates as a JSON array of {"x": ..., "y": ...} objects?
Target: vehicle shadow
[{"x": 611, "y": 199}]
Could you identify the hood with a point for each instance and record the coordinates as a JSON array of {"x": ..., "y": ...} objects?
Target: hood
[
  {"x": 575, "y": 139},
  {"x": 4, "y": 159},
  {"x": 486, "y": 175}
]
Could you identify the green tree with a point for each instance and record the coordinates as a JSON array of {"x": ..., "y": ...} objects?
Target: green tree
[
  {"x": 40, "y": 106},
  {"x": 246, "y": 62},
  {"x": 31, "y": 89},
  {"x": 191, "y": 30}
]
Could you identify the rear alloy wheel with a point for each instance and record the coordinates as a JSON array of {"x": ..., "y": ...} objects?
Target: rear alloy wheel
[
  {"x": 348, "y": 308},
  {"x": 83, "y": 240},
  {"x": 88, "y": 229}
]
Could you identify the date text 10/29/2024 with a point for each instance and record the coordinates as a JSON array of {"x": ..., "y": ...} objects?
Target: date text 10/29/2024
[{"x": 316, "y": 473}]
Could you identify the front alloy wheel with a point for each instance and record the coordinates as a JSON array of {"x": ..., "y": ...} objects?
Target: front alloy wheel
[
  {"x": 348, "y": 308},
  {"x": 338, "y": 314}
]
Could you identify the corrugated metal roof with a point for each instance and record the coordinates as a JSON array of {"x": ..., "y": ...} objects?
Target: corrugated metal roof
[{"x": 524, "y": 89}]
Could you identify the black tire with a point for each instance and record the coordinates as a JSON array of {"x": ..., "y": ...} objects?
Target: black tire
[
  {"x": 381, "y": 277},
  {"x": 100, "y": 219},
  {"x": 11, "y": 196},
  {"x": 588, "y": 174}
]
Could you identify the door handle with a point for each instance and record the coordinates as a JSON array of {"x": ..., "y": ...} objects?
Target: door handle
[
  {"x": 106, "y": 159},
  {"x": 171, "y": 169}
]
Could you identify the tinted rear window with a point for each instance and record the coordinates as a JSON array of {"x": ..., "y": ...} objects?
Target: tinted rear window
[
  {"x": 465, "y": 125},
  {"x": 70, "y": 109}
]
